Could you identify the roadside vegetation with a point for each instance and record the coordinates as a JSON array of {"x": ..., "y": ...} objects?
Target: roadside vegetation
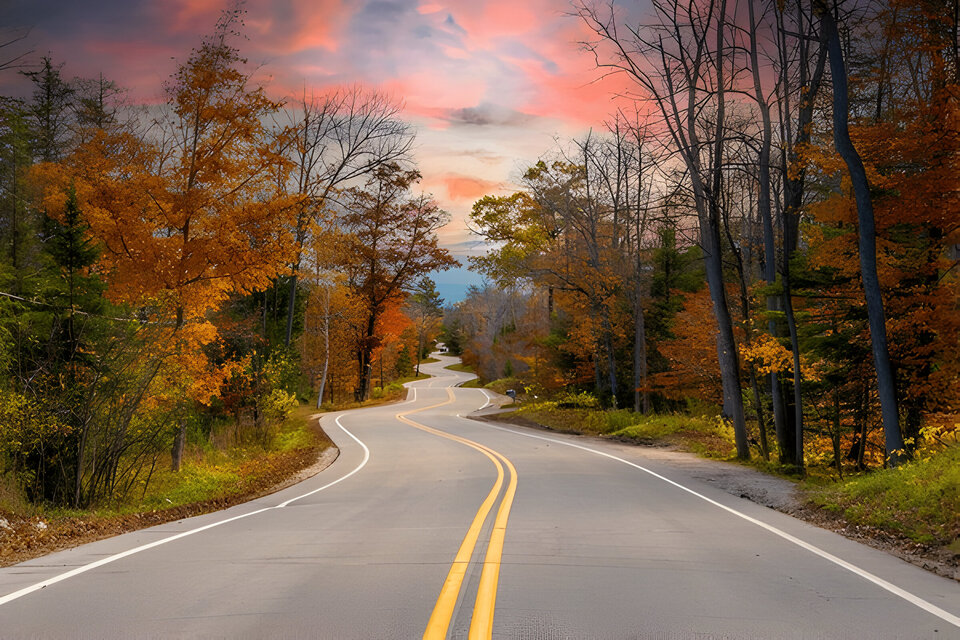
[{"x": 211, "y": 477}]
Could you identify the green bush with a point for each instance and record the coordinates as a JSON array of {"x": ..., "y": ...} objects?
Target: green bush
[{"x": 920, "y": 500}]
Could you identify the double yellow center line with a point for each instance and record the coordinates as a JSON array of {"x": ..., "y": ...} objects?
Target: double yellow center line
[{"x": 481, "y": 625}]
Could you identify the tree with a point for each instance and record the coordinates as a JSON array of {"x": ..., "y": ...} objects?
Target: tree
[
  {"x": 679, "y": 61},
  {"x": 50, "y": 110},
  {"x": 867, "y": 237},
  {"x": 426, "y": 309},
  {"x": 338, "y": 138},
  {"x": 191, "y": 214},
  {"x": 392, "y": 243}
]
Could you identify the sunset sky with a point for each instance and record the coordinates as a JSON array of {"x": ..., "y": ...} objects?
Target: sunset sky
[{"x": 488, "y": 84}]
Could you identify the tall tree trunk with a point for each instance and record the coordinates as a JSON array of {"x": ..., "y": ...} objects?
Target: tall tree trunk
[
  {"x": 886, "y": 387},
  {"x": 797, "y": 373},
  {"x": 326, "y": 349},
  {"x": 179, "y": 440},
  {"x": 641, "y": 399},
  {"x": 769, "y": 243},
  {"x": 727, "y": 354},
  {"x": 291, "y": 305}
]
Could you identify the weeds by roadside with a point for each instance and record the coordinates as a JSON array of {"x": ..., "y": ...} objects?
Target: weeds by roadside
[{"x": 210, "y": 479}]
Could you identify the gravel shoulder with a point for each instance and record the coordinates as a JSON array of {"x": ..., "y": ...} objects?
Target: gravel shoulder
[{"x": 770, "y": 491}]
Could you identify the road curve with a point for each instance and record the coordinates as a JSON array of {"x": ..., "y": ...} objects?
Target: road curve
[{"x": 434, "y": 525}]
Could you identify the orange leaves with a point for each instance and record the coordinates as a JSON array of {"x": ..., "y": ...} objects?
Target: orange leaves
[
  {"x": 190, "y": 214},
  {"x": 692, "y": 354},
  {"x": 767, "y": 355}
]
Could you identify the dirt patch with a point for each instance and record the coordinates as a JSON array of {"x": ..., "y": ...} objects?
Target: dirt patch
[
  {"x": 774, "y": 492},
  {"x": 26, "y": 538}
]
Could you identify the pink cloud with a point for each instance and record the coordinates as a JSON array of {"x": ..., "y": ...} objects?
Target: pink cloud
[
  {"x": 429, "y": 8},
  {"x": 461, "y": 187}
]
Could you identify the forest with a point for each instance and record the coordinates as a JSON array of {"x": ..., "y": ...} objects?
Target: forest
[
  {"x": 767, "y": 224},
  {"x": 764, "y": 231},
  {"x": 180, "y": 277}
]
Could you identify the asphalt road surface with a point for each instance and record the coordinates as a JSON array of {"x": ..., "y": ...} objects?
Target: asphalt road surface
[{"x": 433, "y": 525}]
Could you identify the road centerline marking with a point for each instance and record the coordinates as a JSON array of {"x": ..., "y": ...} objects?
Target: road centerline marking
[
  {"x": 481, "y": 625},
  {"x": 482, "y": 620}
]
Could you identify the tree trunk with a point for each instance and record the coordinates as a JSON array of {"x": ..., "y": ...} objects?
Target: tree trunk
[
  {"x": 179, "y": 440},
  {"x": 326, "y": 351},
  {"x": 78, "y": 479},
  {"x": 886, "y": 387},
  {"x": 291, "y": 304},
  {"x": 419, "y": 351},
  {"x": 611, "y": 359},
  {"x": 769, "y": 245},
  {"x": 366, "y": 359},
  {"x": 641, "y": 399},
  {"x": 727, "y": 356}
]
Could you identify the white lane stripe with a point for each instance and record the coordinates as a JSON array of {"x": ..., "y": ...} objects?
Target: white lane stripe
[
  {"x": 489, "y": 400},
  {"x": 880, "y": 582},
  {"x": 119, "y": 556},
  {"x": 363, "y": 463}
]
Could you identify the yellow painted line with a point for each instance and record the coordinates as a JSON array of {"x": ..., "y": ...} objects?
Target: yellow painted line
[
  {"x": 439, "y": 622},
  {"x": 481, "y": 626}
]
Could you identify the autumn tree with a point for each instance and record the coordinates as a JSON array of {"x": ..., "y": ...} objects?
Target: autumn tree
[
  {"x": 680, "y": 61},
  {"x": 426, "y": 309},
  {"x": 191, "y": 214},
  {"x": 336, "y": 138},
  {"x": 391, "y": 239}
]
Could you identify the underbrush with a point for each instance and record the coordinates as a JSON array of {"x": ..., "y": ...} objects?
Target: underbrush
[
  {"x": 705, "y": 435},
  {"x": 919, "y": 500},
  {"x": 210, "y": 478},
  {"x": 393, "y": 392}
]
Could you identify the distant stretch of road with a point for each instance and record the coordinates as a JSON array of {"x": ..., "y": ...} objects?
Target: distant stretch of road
[{"x": 430, "y": 524}]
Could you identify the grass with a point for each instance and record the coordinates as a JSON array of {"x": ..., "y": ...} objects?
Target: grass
[
  {"x": 393, "y": 392},
  {"x": 919, "y": 500},
  {"x": 700, "y": 434},
  {"x": 475, "y": 383},
  {"x": 501, "y": 385}
]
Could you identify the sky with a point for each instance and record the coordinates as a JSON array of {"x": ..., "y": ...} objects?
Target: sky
[{"x": 490, "y": 85}]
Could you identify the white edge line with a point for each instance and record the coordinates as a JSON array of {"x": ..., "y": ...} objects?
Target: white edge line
[
  {"x": 489, "y": 400},
  {"x": 363, "y": 463},
  {"x": 880, "y": 582},
  {"x": 156, "y": 543}
]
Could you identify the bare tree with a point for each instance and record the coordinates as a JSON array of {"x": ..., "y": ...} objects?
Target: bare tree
[
  {"x": 339, "y": 137},
  {"x": 678, "y": 61},
  {"x": 866, "y": 233}
]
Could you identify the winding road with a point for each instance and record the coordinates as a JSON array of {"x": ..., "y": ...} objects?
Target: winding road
[{"x": 430, "y": 524}]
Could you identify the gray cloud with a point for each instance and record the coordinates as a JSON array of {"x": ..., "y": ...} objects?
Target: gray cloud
[{"x": 488, "y": 114}]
